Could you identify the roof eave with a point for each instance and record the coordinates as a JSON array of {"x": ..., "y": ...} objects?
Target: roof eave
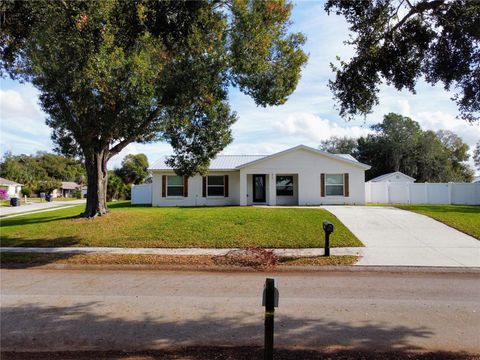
[{"x": 308, "y": 148}]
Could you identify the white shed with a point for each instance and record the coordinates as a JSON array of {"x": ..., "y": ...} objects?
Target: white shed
[{"x": 396, "y": 176}]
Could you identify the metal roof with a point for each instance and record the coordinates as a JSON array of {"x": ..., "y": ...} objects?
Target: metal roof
[
  {"x": 235, "y": 162},
  {"x": 221, "y": 162},
  {"x": 347, "y": 156},
  {"x": 69, "y": 185}
]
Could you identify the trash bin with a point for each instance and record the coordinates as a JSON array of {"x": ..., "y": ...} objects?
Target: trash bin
[
  {"x": 14, "y": 201},
  {"x": 49, "y": 197}
]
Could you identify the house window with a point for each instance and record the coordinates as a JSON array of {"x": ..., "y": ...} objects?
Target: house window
[
  {"x": 215, "y": 185},
  {"x": 334, "y": 184},
  {"x": 174, "y": 185},
  {"x": 284, "y": 185}
]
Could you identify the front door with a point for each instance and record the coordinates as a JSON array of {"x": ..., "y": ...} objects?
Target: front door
[{"x": 259, "y": 195}]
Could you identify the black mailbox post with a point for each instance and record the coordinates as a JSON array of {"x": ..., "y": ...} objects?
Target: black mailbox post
[
  {"x": 328, "y": 228},
  {"x": 270, "y": 301}
]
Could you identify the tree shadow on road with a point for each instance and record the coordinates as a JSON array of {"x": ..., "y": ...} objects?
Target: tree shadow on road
[{"x": 78, "y": 327}]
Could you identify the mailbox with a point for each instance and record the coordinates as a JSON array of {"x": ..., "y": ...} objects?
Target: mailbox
[
  {"x": 327, "y": 226},
  {"x": 275, "y": 294}
]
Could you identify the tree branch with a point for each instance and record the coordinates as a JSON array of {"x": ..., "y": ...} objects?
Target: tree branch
[
  {"x": 418, "y": 9},
  {"x": 121, "y": 145}
]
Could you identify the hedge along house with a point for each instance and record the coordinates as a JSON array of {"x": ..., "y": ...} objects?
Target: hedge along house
[{"x": 298, "y": 176}]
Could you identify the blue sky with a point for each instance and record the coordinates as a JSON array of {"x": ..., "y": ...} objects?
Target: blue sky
[{"x": 307, "y": 118}]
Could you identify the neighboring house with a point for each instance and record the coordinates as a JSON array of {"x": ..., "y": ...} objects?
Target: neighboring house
[
  {"x": 476, "y": 179},
  {"x": 66, "y": 190},
  {"x": 298, "y": 176},
  {"x": 396, "y": 176},
  {"x": 14, "y": 189}
]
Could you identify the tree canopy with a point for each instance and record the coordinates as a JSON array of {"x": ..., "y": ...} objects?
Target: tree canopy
[
  {"x": 339, "y": 145},
  {"x": 476, "y": 155},
  {"x": 397, "y": 42},
  {"x": 134, "y": 169},
  {"x": 33, "y": 170},
  {"x": 399, "y": 144},
  {"x": 113, "y": 72}
]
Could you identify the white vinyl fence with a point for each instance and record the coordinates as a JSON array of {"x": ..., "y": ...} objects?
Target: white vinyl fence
[
  {"x": 142, "y": 194},
  {"x": 423, "y": 193}
]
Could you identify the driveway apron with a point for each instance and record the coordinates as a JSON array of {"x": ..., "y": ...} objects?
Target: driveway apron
[{"x": 403, "y": 238}]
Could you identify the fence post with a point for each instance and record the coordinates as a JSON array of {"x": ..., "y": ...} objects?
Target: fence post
[
  {"x": 450, "y": 193},
  {"x": 426, "y": 192},
  {"x": 270, "y": 301}
]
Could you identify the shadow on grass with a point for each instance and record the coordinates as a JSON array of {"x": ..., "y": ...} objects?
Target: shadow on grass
[
  {"x": 85, "y": 327},
  {"x": 36, "y": 219},
  {"x": 16, "y": 241}
]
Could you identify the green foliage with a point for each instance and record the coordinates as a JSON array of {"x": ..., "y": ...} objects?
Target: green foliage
[
  {"x": 77, "y": 194},
  {"x": 476, "y": 155},
  {"x": 26, "y": 191},
  {"x": 115, "y": 187},
  {"x": 134, "y": 169},
  {"x": 398, "y": 42},
  {"x": 47, "y": 186},
  {"x": 32, "y": 170},
  {"x": 399, "y": 144},
  {"x": 114, "y": 72},
  {"x": 339, "y": 145},
  {"x": 118, "y": 71}
]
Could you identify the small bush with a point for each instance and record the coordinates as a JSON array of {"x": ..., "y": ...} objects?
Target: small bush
[
  {"x": 77, "y": 194},
  {"x": 4, "y": 194},
  {"x": 26, "y": 191}
]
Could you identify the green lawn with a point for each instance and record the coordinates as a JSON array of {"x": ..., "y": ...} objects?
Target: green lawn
[
  {"x": 465, "y": 218},
  {"x": 135, "y": 226}
]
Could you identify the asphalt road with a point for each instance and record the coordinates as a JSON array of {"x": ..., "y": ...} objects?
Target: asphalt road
[{"x": 135, "y": 310}]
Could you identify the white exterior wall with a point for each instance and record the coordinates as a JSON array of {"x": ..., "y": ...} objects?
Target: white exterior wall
[
  {"x": 195, "y": 185},
  {"x": 12, "y": 190},
  {"x": 308, "y": 166},
  {"x": 423, "y": 193}
]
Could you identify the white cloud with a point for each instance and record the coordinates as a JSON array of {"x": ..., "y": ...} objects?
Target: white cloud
[
  {"x": 313, "y": 128},
  {"x": 13, "y": 105}
]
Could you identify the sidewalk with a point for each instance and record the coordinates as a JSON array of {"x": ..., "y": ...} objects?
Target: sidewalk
[
  {"x": 358, "y": 251},
  {"x": 36, "y": 207}
]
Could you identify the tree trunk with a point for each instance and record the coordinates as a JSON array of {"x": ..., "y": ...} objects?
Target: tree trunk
[{"x": 96, "y": 166}]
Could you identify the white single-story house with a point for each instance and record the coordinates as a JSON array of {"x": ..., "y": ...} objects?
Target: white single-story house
[
  {"x": 13, "y": 188},
  {"x": 66, "y": 189},
  {"x": 396, "y": 176},
  {"x": 298, "y": 176}
]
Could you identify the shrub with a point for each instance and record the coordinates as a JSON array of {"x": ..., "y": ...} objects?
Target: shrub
[
  {"x": 77, "y": 194},
  {"x": 26, "y": 191},
  {"x": 4, "y": 194}
]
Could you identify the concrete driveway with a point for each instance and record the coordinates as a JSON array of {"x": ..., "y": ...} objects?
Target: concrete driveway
[
  {"x": 11, "y": 210},
  {"x": 398, "y": 237}
]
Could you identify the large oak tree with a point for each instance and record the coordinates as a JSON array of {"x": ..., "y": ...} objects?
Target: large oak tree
[
  {"x": 398, "y": 42},
  {"x": 112, "y": 72}
]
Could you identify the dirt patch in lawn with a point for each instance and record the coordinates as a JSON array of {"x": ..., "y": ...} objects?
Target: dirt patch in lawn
[
  {"x": 26, "y": 260},
  {"x": 239, "y": 353}
]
